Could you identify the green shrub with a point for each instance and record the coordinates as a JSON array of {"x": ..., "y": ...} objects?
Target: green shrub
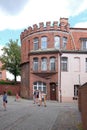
[
  {"x": 7, "y": 82},
  {"x": 9, "y": 92}
]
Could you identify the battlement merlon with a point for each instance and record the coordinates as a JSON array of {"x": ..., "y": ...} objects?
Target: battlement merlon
[
  {"x": 64, "y": 26},
  {"x": 35, "y": 27}
]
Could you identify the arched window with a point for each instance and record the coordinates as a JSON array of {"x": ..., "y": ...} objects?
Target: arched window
[
  {"x": 35, "y": 43},
  {"x": 35, "y": 64},
  {"x": 39, "y": 86},
  {"x": 64, "y": 43},
  {"x": 44, "y": 64},
  {"x": 44, "y": 43},
  {"x": 57, "y": 42},
  {"x": 52, "y": 64}
]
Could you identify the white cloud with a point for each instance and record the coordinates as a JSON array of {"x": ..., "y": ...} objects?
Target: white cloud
[
  {"x": 36, "y": 11},
  {"x": 11, "y": 77},
  {"x": 81, "y": 25}
]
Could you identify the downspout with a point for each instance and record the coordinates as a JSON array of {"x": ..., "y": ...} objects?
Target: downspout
[
  {"x": 59, "y": 77},
  {"x": 72, "y": 39}
]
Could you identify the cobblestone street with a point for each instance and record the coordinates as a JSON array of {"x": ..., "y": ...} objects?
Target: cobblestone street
[{"x": 24, "y": 115}]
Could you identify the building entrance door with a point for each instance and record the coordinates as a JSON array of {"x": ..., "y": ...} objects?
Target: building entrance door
[{"x": 52, "y": 91}]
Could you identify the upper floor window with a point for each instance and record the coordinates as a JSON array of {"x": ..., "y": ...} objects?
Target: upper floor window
[
  {"x": 83, "y": 44},
  {"x": 35, "y": 64},
  {"x": 64, "y": 63},
  {"x": 44, "y": 43},
  {"x": 76, "y": 64},
  {"x": 64, "y": 42},
  {"x": 35, "y": 41},
  {"x": 86, "y": 64},
  {"x": 44, "y": 64},
  {"x": 52, "y": 64},
  {"x": 57, "y": 42}
]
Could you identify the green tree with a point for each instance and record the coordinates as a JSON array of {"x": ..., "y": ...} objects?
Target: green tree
[{"x": 11, "y": 58}]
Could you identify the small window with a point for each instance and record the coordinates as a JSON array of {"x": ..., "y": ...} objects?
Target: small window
[
  {"x": 35, "y": 43},
  {"x": 35, "y": 64},
  {"x": 52, "y": 64},
  {"x": 76, "y": 90},
  {"x": 64, "y": 43},
  {"x": 44, "y": 64},
  {"x": 84, "y": 44},
  {"x": 64, "y": 63},
  {"x": 57, "y": 42},
  {"x": 44, "y": 43}
]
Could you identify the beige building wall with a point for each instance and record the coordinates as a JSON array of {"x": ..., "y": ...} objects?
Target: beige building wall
[{"x": 76, "y": 75}]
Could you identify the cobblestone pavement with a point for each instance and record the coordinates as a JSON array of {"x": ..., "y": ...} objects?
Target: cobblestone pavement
[{"x": 24, "y": 115}]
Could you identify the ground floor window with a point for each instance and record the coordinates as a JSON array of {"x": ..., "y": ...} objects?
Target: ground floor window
[
  {"x": 39, "y": 86},
  {"x": 76, "y": 90}
]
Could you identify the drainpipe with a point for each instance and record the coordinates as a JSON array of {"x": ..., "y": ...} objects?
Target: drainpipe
[{"x": 59, "y": 77}]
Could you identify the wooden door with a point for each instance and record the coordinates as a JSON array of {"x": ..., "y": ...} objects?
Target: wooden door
[{"x": 52, "y": 91}]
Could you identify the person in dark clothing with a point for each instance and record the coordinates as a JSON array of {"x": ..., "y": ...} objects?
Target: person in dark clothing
[{"x": 5, "y": 100}]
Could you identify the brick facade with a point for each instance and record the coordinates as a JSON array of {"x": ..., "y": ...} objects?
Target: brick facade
[
  {"x": 82, "y": 103},
  {"x": 51, "y": 78},
  {"x": 13, "y": 88}
]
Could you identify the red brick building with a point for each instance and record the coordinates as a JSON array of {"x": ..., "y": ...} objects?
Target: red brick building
[{"x": 41, "y": 48}]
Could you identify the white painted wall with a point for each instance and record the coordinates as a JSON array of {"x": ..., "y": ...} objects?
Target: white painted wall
[{"x": 72, "y": 77}]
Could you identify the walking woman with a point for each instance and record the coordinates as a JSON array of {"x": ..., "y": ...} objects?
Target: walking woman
[{"x": 5, "y": 100}]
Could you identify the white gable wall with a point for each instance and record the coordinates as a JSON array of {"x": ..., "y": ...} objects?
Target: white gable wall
[{"x": 74, "y": 75}]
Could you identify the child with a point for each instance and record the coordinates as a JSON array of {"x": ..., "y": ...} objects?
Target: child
[{"x": 4, "y": 100}]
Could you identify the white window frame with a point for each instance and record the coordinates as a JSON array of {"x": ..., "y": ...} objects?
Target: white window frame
[
  {"x": 39, "y": 86},
  {"x": 44, "y": 64},
  {"x": 57, "y": 42},
  {"x": 64, "y": 63},
  {"x": 43, "y": 42},
  {"x": 35, "y": 64},
  {"x": 35, "y": 43}
]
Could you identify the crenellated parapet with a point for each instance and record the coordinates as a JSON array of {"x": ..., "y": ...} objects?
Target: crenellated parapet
[{"x": 63, "y": 25}]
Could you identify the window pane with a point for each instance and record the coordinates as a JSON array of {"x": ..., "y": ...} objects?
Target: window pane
[
  {"x": 44, "y": 64},
  {"x": 57, "y": 42},
  {"x": 35, "y": 64},
  {"x": 64, "y": 42},
  {"x": 35, "y": 43},
  {"x": 84, "y": 44},
  {"x": 52, "y": 64},
  {"x": 76, "y": 90},
  {"x": 64, "y": 63},
  {"x": 41, "y": 86},
  {"x": 44, "y": 43}
]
